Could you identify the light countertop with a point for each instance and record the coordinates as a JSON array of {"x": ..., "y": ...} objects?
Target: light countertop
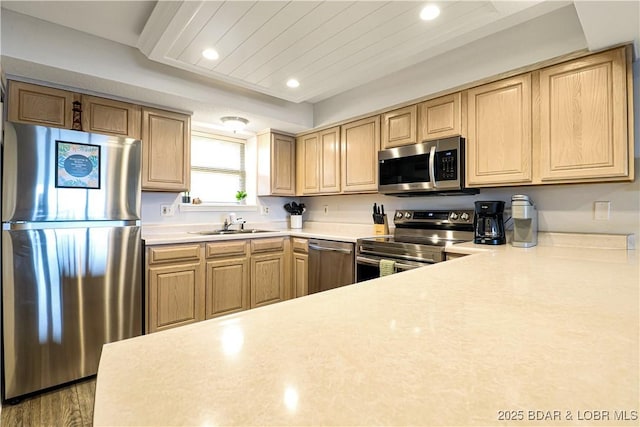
[
  {"x": 161, "y": 235},
  {"x": 455, "y": 343}
]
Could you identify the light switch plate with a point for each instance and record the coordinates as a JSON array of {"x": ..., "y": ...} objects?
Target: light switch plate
[{"x": 601, "y": 211}]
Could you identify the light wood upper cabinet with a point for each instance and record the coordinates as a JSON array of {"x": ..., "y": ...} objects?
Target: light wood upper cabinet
[
  {"x": 440, "y": 117},
  {"x": 166, "y": 150},
  {"x": 175, "y": 286},
  {"x": 106, "y": 116},
  {"x": 319, "y": 162},
  {"x": 40, "y": 105},
  {"x": 584, "y": 119},
  {"x": 276, "y": 165},
  {"x": 399, "y": 127},
  {"x": 309, "y": 146},
  {"x": 360, "y": 143},
  {"x": 499, "y": 138}
]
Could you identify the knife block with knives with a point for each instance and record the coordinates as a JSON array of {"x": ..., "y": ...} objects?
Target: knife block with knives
[{"x": 380, "y": 224}]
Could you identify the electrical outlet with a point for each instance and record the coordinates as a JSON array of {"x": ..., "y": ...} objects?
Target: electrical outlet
[
  {"x": 601, "y": 210},
  {"x": 264, "y": 210},
  {"x": 166, "y": 210},
  {"x": 325, "y": 209}
]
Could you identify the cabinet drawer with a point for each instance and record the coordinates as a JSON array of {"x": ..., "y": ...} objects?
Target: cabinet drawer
[
  {"x": 174, "y": 253},
  {"x": 230, "y": 247},
  {"x": 264, "y": 245},
  {"x": 300, "y": 245}
]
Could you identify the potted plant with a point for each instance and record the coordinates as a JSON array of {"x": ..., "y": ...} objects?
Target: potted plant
[{"x": 241, "y": 196}]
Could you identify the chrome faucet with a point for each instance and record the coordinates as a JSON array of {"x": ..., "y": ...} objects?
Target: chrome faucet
[{"x": 231, "y": 220}]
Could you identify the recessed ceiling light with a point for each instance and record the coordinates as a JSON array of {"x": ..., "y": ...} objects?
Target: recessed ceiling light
[
  {"x": 429, "y": 12},
  {"x": 210, "y": 54},
  {"x": 293, "y": 83}
]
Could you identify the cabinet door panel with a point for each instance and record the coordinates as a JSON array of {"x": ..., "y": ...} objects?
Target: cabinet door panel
[
  {"x": 175, "y": 296},
  {"x": 227, "y": 289},
  {"x": 311, "y": 164},
  {"x": 283, "y": 165},
  {"x": 267, "y": 279},
  {"x": 360, "y": 144},
  {"x": 399, "y": 127},
  {"x": 166, "y": 148},
  {"x": 107, "y": 116},
  {"x": 440, "y": 117},
  {"x": 39, "y": 105},
  {"x": 499, "y": 137},
  {"x": 583, "y": 119},
  {"x": 300, "y": 274},
  {"x": 330, "y": 160}
]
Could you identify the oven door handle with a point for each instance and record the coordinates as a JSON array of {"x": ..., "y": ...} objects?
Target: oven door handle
[
  {"x": 376, "y": 263},
  {"x": 432, "y": 166}
]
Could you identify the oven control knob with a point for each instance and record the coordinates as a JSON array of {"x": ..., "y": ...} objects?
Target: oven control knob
[
  {"x": 464, "y": 216},
  {"x": 398, "y": 215},
  {"x": 407, "y": 215},
  {"x": 453, "y": 216}
]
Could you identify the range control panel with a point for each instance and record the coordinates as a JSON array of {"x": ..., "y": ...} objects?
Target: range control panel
[{"x": 425, "y": 217}]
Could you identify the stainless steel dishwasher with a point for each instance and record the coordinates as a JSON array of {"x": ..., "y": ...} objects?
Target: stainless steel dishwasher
[{"x": 331, "y": 264}]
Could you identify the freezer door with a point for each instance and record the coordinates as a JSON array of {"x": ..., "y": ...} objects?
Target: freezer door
[
  {"x": 52, "y": 174},
  {"x": 66, "y": 292}
]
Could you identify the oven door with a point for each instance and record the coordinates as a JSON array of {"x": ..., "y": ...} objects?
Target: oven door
[{"x": 368, "y": 266}]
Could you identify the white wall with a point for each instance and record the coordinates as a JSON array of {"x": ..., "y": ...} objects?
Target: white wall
[{"x": 545, "y": 37}]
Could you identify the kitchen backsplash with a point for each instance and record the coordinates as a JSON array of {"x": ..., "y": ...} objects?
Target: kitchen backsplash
[{"x": 561, "y": 208}]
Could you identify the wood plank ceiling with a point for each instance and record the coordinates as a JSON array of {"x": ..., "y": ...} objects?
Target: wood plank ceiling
[{"x": 328, "y": 46}]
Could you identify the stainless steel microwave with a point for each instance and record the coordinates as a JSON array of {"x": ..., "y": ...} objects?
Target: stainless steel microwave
[{"x": 432, "y": 167}]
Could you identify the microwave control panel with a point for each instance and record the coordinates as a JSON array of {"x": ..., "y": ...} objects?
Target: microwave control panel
[{"x": 447, "y": 165}]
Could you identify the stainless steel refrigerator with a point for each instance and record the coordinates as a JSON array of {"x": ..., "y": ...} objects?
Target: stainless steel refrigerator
[{"x": 71, "y": 253}]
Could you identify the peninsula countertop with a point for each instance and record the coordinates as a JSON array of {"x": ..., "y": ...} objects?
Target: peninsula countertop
[{"x": 494, "y": 338}]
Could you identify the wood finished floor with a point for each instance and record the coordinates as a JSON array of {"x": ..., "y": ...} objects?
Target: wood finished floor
[{"x": 68, "y": 406}]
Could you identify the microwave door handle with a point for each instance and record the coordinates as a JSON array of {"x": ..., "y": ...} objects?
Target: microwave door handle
[{"x": 432, "y": 166}]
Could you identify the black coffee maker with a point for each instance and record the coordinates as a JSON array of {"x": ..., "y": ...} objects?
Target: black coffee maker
[{"x": 489, "y": 224}]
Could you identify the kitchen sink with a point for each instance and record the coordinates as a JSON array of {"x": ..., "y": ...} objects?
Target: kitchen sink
[{"x": 223, "y": 232}]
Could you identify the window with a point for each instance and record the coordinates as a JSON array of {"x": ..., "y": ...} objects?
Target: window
[{"x": 217, "y": 167}]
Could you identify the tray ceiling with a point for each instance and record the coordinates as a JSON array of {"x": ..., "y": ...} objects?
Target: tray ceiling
[{"x": 329, "y": 46}]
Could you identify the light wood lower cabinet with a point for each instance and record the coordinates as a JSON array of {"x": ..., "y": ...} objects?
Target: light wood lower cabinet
[
  {"x": 267, "y": 279},
  {"x": 227, "y": 277},
  {"x": 270, "y": 271},
  {"x": 175, "y": 286},
  {"x": 187, "y": 283},
  {"x": 300, "y": 273},
  {"x": 499, "y": 146}
]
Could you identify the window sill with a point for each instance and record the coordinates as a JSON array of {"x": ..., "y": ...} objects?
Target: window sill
[{"x": 217, "y": 207}]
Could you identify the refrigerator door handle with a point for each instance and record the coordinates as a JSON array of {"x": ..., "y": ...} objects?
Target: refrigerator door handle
[{"x": 21, "y": 225}]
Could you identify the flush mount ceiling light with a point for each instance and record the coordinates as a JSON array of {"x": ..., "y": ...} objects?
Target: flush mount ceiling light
[
  {"x": 210, "y": 54},
  {"x": 234, "y": 123},
  {"x": 429, "y": 12},
  {"x": 293, "y": 83}
]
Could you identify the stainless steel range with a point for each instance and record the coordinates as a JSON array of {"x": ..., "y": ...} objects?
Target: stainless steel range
[{"x": 419, "y": 239}]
